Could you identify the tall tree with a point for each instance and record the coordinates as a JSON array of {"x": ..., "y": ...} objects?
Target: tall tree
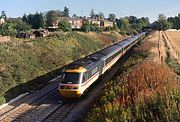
[
  {"x": 52, "y": 17},
  {"x": 112, "y": 17},
  {"x": 101, "y": 15},
  {"x": 24, "y": 18},
  {"x": 36, "y": 20},
  {"x": 163, "y": 24},
  {"x": 66, "y": 12},
  {"x": 3, "y": 15},
  {"x": 92, "y": 14}
]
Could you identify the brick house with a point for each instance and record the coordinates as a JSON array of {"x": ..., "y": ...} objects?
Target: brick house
[
  {"x": 106, "y": 23},
  {"x": 93, "y": 21},
  {"x": 76, "y": 23}
]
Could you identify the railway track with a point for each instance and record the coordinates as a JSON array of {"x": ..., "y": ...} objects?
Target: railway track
[{"x": 29, "y": 103}]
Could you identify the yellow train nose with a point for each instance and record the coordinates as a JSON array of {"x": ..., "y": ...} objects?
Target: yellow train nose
[{"x": 70, "y": 93}]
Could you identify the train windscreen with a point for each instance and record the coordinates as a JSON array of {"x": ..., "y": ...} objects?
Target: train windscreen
[{"x": 71, "y": 78}]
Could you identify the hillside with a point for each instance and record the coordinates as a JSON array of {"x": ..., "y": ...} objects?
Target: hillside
[{"x": 24, "y": 60}]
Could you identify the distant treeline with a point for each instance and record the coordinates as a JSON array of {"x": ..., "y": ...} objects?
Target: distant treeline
[
  {"x": 164, "y": 23},
  {"x": 175, "y": 21}
]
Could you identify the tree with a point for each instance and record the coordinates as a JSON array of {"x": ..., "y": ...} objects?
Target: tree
[
  {"x": 19, "y": 25},
  {"x": 36, "y": 20},
  {"x": 52, "y": 17},
  {"x": 175, "y": 21},
  {"x": 92, "y": 14},
  {"x": 65, "y": 25},
  {"x": 66, "y": 12},
  {"x": 112, "y": 17},
  {"x": 7, "y": 29},
  {"x": 101, "y": 15},
  {"x": 86, "y": 27},
  {"x": 41, "y": 21},
  {"x": 24, "y": 18},
  {"x": 3, "y": 15},
  {"x": 163, "y": 24},
  {"x": 74, "y": 16}
]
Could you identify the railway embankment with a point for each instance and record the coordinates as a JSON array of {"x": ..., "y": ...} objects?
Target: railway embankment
[
  {"x": 29, "y": 64},
  {"x": 148, "y": 90}
]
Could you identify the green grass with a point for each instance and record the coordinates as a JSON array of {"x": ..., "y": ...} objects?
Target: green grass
[{"x": 24, "y": 60}]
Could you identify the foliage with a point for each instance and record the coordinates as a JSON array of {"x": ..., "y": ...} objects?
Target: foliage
[
  {"x": 24, "y": 18},
  {"x": 162, "y": 23},
  {"x": 92, "y": 14},
  {"x": 96, "y": 28},
  {"x": 3, "y": 15},
  {"x": 65, "y": 25},
  {"x": 66, "y": 12},
  {"x": 101, "y": 15},
  {"x": 35, "y": 20},
  {"x": 175, "y": 21},
  {"x": 86, "y": 27},
  {"x": 20, "y": 25},
  {"x": 112, "y": 17},
  {"x": 174, "y": 65},
  {"x": 52, "y": 16},
  {"x": 132, "y": 25},
  {"x": 7, "y": 29}
]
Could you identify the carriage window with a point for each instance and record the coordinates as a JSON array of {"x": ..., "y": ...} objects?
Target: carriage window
[{"x": 94, "y": 70}]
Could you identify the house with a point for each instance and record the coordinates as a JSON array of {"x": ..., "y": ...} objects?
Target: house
[
  {"x": 2, "y": 20},
  {"x": 41, "y": 33},
  {"x": 76, "y": 23},
  {"x": 106, "y": 23},
  {"x": 93, "y": 21}
]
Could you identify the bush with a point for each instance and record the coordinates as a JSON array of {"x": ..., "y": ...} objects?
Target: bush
[{"x": 65, "y": 25}]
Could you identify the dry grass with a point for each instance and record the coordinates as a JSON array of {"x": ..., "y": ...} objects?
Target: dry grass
[
  {"x": 173, "y": 41},
  {"x": 105, "y": 37},
  {"x": 158, "y": 51},
  {"x": 174, "y": 38},
  {"x": 149, "y": 92}
]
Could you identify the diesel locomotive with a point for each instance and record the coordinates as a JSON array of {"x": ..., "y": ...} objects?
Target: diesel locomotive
[{"x": 79, "y": 75}]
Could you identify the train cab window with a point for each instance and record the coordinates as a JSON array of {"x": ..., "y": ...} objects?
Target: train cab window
[{"x": 71, "y": 78}]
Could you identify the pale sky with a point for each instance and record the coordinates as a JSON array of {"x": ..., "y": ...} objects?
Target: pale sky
[{"x": 139, "y": 8}]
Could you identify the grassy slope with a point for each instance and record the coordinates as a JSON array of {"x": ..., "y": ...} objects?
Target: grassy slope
[
  {"x": 146, "y": 92},
  {"x": 23, "y": 60}
]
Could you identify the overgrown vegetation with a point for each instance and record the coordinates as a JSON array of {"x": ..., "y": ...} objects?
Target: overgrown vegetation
[
  {"x": 24, "y": 60},
  {"x": 146, "y": 92},
  {"x": 174, "y": 65}
]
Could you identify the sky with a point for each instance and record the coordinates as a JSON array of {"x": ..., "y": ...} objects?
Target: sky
[{"x": 121, "y": 8}]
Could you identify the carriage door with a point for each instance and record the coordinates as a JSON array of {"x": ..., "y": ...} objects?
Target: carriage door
[{"x": 101, "y": 65}]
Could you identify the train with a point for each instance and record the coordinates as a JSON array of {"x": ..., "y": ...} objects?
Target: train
[{"x": 79, "y": 75}]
